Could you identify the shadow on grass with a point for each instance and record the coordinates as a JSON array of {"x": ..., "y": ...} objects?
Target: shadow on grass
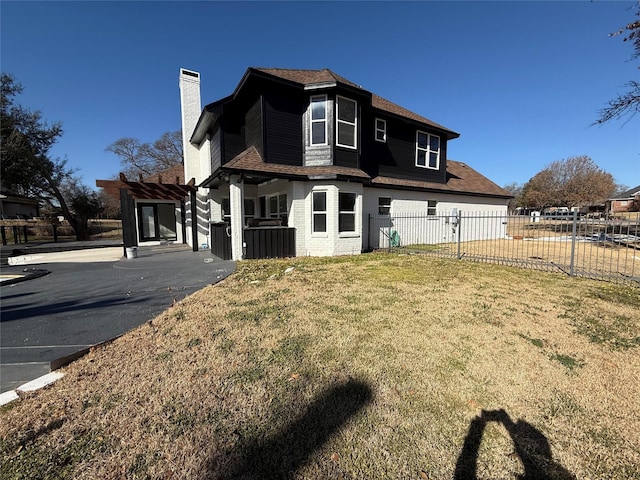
[
  {"x": 283, "y": 453},
  {"x": 530, "y": 445}
]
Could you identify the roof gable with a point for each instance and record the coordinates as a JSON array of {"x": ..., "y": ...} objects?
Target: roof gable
[{"x": 326, "y": 76}]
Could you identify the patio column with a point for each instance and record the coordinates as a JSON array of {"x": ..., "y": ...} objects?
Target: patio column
[{"x": 235, "y": 204}]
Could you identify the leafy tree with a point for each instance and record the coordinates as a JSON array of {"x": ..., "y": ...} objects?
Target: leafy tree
[
  {"x": 148, "y": 159},
  {"x": 574, "y": 182},
  {"x": 629, "y": 102},
  {"x": 26, "y": 167}
]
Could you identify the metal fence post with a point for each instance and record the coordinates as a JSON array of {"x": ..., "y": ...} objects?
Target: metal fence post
[
  {"x": 573, "y": 243},
  {"x": 459, "y": 233}
]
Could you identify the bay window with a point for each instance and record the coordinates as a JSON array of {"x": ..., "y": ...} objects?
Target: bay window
[
  {"x": 346, "y": 212},
  {"x": 319, "y": 212},
  {"x": 346, "y": 122},
  {"x": 318, "y": 123}
]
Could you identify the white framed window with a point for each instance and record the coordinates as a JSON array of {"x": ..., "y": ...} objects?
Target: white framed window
[
  {"x": 226, "y": 211},
  {"x": 431, "y": 207},
  {"x": 381, "y": 130},
  {"x": 384, "y": 205},
  {"x": 427, "y": 150},
  {"x": 318, "y": 120},
  {"x": 278, "y": 207},
  {"x": 346, "y": 212},
  {"x": 319, "y": 211},
  {"x": 346, "y": 122}
]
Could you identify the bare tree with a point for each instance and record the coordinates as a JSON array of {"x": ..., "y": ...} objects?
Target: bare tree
[
  {"x": 147, "y": 159},
  {"x": 627, "y": 103},
  {"x": 514, "y": 189},
  {"x": 574, "y": 182}
]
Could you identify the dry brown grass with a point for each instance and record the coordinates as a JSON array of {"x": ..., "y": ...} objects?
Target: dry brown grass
[{"x": 377, "y": 366}]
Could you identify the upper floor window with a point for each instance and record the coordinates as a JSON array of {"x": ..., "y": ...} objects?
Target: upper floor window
[
  {"x": 346, "y": 122},
  {"x": 318, "y": 123},
  {"x": 427, "y": 150},
  {"x": 381, "y": 130}
]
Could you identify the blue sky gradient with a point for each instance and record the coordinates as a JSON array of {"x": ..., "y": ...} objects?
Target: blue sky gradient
[{"x": 520, "y": 81}]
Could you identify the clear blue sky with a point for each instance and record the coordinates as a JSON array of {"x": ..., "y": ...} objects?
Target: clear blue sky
[{"x": 520, "y": 81}]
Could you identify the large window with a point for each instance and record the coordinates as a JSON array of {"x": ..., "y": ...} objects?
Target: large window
[
  {"x": 381, "y": 130},
  {"x": 427, "y": 150},
  {"x": 319, "y": 212},
  {"x": 347, "y": 212},
  {"x": 318, "y": 133},
  {"x": 346, "y": 122}
]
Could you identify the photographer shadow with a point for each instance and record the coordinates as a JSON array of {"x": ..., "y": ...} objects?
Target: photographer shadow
[{"x": 530, "y": 445}]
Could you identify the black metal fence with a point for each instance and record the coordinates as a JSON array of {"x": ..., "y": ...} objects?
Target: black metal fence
[{"x": 600, "y": 248}]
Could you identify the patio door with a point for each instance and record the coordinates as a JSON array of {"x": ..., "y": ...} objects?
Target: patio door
[{"x": 157, "y": 221}]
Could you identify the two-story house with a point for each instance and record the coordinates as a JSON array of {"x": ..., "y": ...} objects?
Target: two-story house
[{"x": 317, "y": 154}]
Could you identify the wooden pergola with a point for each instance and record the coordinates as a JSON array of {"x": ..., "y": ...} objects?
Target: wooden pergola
[{"x": 130, "y": 191}]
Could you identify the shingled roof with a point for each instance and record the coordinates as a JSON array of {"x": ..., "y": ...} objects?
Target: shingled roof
[
  {"x": 315, "y": 77},
  {"x": 461, "y": 178},
  {"x": 250, "y": 161}
]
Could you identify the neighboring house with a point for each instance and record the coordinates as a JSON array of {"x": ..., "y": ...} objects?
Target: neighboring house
[
  {"x": 628, "y": 201},
  {"x": 17, "y": 206},
  {"x": 305, "y": 157}
]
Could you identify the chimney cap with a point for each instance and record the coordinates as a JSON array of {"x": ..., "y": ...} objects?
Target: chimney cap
[{"x": 189, "y": 73}]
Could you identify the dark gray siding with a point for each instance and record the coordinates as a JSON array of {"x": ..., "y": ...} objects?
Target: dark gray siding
[
  {"x": 253, "y": 127},
  {"x": 216, "y": 150},
  {"x": 397, "y": 157},
  {"x": 283, "y": 111}
]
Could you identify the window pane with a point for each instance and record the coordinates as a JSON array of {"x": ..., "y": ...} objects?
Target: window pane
[
  {"x": 347, "y": 202},
  {"x": 380, "y": 124},
  {"x": 422, "y": 140},
  {"x": 380, "y": 135},
  {"x": 422, "y": 158},
  {"x": 318, "y": 133},
  {"x": 226, "y": 207},
  {"x": 319, "y": 222},
  {"x": 433, "y": 160},
  {"x": 346, "y": 110},
  {"x": 347, "y": 222},
  {"x": 273, "y": 206},
  {"x": 384, "y": 205},
  {"x": 346, "y": 135},
  {"x": 320, "y": 202},
  {"x": 435, "y": 143},
  {"x": 282, "y": 203},
  {"x": 318, "y": 109}
]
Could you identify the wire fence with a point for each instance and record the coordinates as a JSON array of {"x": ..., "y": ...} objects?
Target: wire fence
[{"x": 599, "y": 248}]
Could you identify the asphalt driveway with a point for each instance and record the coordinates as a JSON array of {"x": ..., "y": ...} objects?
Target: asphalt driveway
[{"x": 91, "y": 297}]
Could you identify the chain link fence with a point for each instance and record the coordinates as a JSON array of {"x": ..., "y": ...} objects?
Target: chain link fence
[{"x": 603, "y": 248}]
